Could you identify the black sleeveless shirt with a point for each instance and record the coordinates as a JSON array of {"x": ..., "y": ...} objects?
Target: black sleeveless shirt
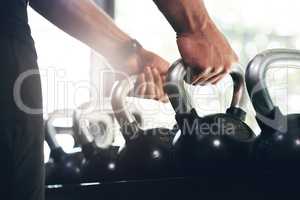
[{"x": 14, "y": 19}]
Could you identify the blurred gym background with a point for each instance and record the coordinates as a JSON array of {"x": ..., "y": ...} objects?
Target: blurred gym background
[{"x": 70, "y": 70}]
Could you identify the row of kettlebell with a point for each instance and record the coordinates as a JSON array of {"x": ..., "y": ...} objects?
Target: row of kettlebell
[{"x": 196, "y": 146}]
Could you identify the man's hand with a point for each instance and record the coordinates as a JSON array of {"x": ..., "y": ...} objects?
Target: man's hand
[
  {"x": 201, "y": 44},
  {"x": 209, "y": 53},
  {"x": 150, "y": 81}
]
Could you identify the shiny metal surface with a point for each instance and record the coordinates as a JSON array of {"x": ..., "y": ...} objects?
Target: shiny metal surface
[
  {"x": 256, "y": 73},
  {"x": 175, "y": 87},
  {"x": 179, "y": 97},
  {"x": 119, "y": 94},
  {"x": 81, "y": 131},
  {"x": 50, "y": 134},
  {"x": 84, "y": 135},
  {"x": 90, "y": 130},
  {"x": 89, "y": 119},
  {"x": 50, "y": 130}
]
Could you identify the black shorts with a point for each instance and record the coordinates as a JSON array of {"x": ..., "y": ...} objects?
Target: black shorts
[{"x": 21, "y": 131}]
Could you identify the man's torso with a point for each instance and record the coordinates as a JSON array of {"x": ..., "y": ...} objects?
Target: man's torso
[{"x": 14, "y": 19}]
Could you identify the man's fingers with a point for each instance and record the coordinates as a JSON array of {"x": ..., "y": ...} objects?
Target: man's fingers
[
  {"x": 215, "y": 80},
  {"x": 202, "y": 75},
  {"x": 150, "y": 85},
  {"x": 206, "y": 79},
  {"x": 150, "y": 91},
  {"x": 164, "y": 99},
  {"x": 158, "y": 84},
  {"x": 140, "y": 85},
  {"x": 224, "y": 73}
]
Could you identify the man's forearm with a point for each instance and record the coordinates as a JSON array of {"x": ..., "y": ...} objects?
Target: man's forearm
[
  {"x": 184, "y": 15},
  {"x": 85, "y": 21}
]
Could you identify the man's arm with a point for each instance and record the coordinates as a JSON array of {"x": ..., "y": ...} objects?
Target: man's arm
[
  {"x": 184, "y": 15},
  {"x": 84, "y": 20},
  {"x": 201, "y": 44}
]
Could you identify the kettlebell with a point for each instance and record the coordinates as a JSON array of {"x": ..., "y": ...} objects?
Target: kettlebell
[
  {"x": 276, "y": 151},
  {"x": 62, "y": 168},
  {"x": 98, "y": 119},
  {"x": 217, "y": 144},
  {"x": 100, "y": 162},
  {"x": 147, "y": 154}
]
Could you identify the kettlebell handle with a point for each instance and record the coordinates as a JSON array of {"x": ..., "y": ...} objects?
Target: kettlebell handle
[
  {"x": 256, "y": 73},
  {"x": 179, "y": 73},
  {"x": 81, "y": 121},
  {"x": 122, "y": 114},
  {"x": 50, "y": 131}
]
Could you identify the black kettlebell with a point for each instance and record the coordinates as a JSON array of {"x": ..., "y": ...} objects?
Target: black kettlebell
[
  {"x": 276, "y": 151},
  {"x": 147, "y": 153},
  {"x": 62, "y": 168},
  {"x": 100, "y": 162},
  {"x": 216, "y": 144}
]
